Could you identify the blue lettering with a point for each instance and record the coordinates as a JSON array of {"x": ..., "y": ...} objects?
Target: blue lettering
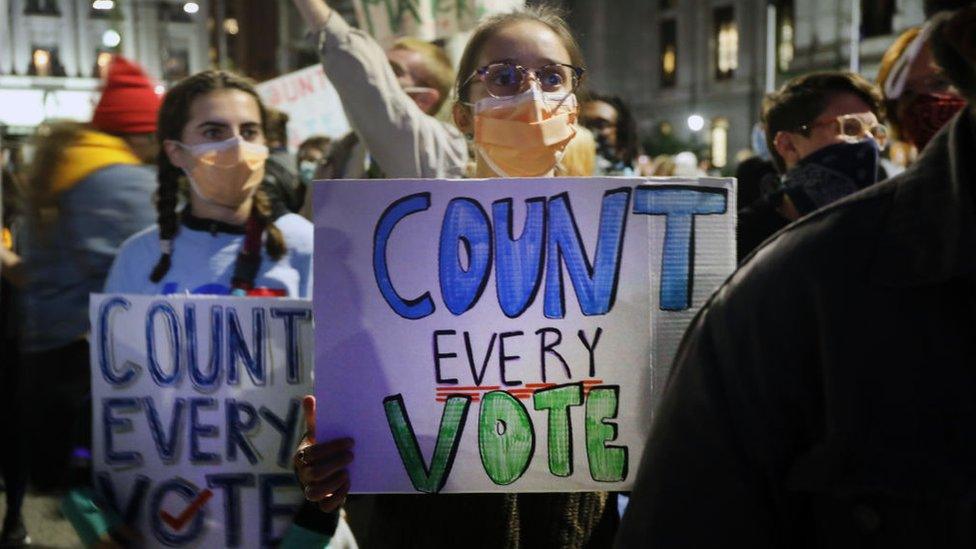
[
  {"x": 165, "y": 445},
  {"x": 237, "y": 429},
  {"x": 518, "y": 262},
  {"x": 291, "y": 339},
  {"x": 286, "y": 428},
  {"x": 270, "y": 510},
  {"x": 237, "y": 347},
  {"x": 198, "y": 430},
  {"x": 595, "y": 286},
  {"x": 110, "y": 424},
  {"x": 106, "y": 347},
  {"x": 679, "y": 204},
  {"x": 413, "y": 308},
  {"x": 173, "y": 333},
  {"x": 188, "y": 493},
  {"x": 201, "y": 380},
  {"x": 231, "y": 483},
  {"x": 130, "y": 514},
  {"x": 465, "y": 222}
]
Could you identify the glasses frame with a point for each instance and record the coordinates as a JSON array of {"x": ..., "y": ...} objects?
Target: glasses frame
[
  {"x": 482, "y": 73},
  {"x": 867, "y": 128}
]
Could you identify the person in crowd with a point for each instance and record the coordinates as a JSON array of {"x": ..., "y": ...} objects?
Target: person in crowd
[
  {"x": 519, "y": 71},
  {"x": 755, "y": 178},
  {"x": 823, "y": 397},
  {"x": 211, "y": 127},
  {"x": 686, "y": 165},
  {"x": 663, "y": 166},
  {"x": 281, "y": 183},
  {"x": 88, "y": 190},
  {"x": 918, "y": 98},
  {"x": 13, "y": 464},
  {"x": 824, "y": 137},
  {"x": 391, "y": 99},
  {"x": 313, "y": 161},
  {"x": 615, "y": 130}
]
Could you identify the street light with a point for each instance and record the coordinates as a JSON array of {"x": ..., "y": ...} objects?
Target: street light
[
  {"x": 103, "y": 5},
  {"x": 696, "y": 122},
  {"x": 111, "y": 38},
  {"x": 191, "y": 7}
]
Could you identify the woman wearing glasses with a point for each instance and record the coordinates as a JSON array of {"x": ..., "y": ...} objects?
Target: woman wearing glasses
[{"x": 516, "y": 102}]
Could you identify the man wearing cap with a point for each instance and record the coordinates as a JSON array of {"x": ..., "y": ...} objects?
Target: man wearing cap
[
  {"x": 825, "y": 396},
  {"x": 90, "y": 189}
]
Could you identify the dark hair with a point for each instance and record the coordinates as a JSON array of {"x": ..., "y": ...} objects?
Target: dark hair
[
  {"x": 173, "y": 117},
  {"x": 628, "y": 142},
  {"x": 547, "y": 15},
  {"x": 953, "y": 36},
  {"x": 276, "y": 126},
  {"x": 933, "y": 7},
  {"x": 321, "y": 142},
  {"x": 801, "y": 100}
]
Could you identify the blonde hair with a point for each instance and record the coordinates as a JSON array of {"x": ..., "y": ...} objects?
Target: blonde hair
[
  {"x": 439, "y": 74},
  {"x": 579, "y": 158}
]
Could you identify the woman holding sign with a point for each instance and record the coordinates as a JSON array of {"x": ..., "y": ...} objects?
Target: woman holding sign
[
  {"x": 211, "y": 126},
  {"x": 516, "y": 100}
]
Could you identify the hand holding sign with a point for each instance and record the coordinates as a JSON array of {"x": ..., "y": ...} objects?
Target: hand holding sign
[{"x": 321, "y": 468}]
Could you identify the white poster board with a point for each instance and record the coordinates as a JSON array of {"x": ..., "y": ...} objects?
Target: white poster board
[
  {"x": 311, "y": 102},
  {"x": 428, "y": 20},
  {"x": 196, "y": 405},
  {"x": 506, "y": 335}
]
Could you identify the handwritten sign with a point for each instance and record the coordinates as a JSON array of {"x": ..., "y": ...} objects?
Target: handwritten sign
[
  {"x": 388, "y": 20},
  {"x": 196, "y": 412},
  {"x": 311, "y": 102},
  {"x": 506, "y": 335}
]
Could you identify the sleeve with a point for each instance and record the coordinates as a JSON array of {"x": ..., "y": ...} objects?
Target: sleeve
[{"x": 404, "y": 141}]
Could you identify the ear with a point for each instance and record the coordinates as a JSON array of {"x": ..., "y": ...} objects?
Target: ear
[
  {"x": 463, "y": 118},
  {"x": 175, "y": 153},
  {"x": 785, "y": 145},
  {"x": 426, "y": 100}
]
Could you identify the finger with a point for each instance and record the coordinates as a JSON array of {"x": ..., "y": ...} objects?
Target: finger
[
  {"x": 336, "y": 500},
  {"x": 312, "y": 455},
  {"x": 318, "y": 491},
  {"x": 308, "y": 407},
  {"x": 325, "y": 469}
]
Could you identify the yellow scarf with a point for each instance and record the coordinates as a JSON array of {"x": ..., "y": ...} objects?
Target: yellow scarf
[{"x": 91, "y": 152}]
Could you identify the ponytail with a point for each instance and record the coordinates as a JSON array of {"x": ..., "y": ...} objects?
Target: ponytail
[{"x": 166, "y": 199}]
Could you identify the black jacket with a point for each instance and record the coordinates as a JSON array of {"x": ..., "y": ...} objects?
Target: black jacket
[{"x": 826, "y": 395}]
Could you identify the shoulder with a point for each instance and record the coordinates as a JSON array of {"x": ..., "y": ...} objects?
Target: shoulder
[
  {"x": 123, "y": 174},
  {"x": 142, "y": 244},
  {"x": 297, "y": 232}
]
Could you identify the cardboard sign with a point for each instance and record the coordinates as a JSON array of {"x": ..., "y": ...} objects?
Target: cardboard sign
[
  {"x": 506, "y": 335},
  {"x": 311, "y": 102},
  {"x": 429, "y": 20},
  {"x": 196, "y": 407}
]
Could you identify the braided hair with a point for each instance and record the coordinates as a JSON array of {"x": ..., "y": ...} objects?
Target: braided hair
[{"x": 174, "y": 114}]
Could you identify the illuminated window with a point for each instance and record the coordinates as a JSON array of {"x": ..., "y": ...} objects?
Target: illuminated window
[
  {"x": 720, "y": 142},
  {"x": 102, "y": 60},
  {"x": 785, "y": 32},
  {"x": 727, "y": 43},
  {"x": 669, "y": 53},
  {"x": 45, "y": 62}
]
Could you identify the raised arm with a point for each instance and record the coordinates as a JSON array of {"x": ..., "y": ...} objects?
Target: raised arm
[{"x": 403, "y": 140}]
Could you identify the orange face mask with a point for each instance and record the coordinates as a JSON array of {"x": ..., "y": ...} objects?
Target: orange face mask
[
  {"x": 524, "y": 135},
  {"x": 226, "y": 173}
]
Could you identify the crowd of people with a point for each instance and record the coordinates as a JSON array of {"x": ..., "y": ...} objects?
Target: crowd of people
[{"x": 823, "y": 397}]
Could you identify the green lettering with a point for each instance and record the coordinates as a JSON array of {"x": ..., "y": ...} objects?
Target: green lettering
[
  {"x": 448, "y": 437},
  {"x": 506, "y": 440},
  {"x": 558, "y": 400},
  {"x": 607, "y": 463}
]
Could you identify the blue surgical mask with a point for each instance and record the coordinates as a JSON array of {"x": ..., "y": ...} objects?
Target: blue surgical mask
[
  {"x": 306, "y": 170},
  {"x": 831, "y": 173}
]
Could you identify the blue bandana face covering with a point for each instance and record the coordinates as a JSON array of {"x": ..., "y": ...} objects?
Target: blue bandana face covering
[{"x": 832, "y": 173}]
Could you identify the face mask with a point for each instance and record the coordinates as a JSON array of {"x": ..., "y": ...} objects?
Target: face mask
[
  {"x": 524, "y": 135},
  {"x": 832, "y": 173},
  {"x": 927, "y": 113},
  {"x": 226, "y": 173},
  {"x": 306, "y": 171}
]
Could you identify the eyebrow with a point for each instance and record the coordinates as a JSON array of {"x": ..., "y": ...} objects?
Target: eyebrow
[
  {"x": 545, "y": 61},
  {"x": 212, "y": 123}
]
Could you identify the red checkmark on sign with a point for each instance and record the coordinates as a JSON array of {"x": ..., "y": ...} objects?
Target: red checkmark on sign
[{"x": 177, "y": 523}]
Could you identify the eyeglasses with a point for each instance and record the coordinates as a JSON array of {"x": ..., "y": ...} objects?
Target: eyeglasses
[
  {"x": 854, "y": 127},
  {"x": 508, "y": 79}
]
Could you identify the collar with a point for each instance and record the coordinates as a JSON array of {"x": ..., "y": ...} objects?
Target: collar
[
  {"x": 929, "y": 235},
  {"x": 211, "y": 226}
]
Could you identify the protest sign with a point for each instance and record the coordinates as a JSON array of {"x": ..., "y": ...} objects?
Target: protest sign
[
  {"x": 429, "y": 20},
  {"x": 196, "y": 405},
  {"x": 311, "y": 102},
  {"x": 506, "y": 335}
]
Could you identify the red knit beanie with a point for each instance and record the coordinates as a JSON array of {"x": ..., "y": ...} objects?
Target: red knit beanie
[{"x": 129, "y": 102}]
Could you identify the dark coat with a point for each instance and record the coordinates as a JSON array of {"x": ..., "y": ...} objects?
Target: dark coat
[{"x": 826, "y": 395}]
